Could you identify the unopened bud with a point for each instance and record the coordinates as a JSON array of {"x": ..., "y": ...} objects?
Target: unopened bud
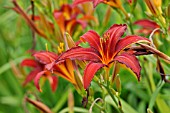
[{"x": 118, "y": 84}]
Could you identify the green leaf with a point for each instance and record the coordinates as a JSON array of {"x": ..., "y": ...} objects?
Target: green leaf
[
  {"x": 154, "y": 95},
  {"x": 76, "y": 109},
  {"x": 125, "y": 106},
  {"x": 7, "y": 66}
]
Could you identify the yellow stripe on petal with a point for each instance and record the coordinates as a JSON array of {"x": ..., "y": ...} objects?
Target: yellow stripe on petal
[
  {"x": 70, "y": 68},
  {"x": 65, "y": 73}
]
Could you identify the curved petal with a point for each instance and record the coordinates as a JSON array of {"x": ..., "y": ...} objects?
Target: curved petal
[
  {"x": 71, "y": 25},
  {"x": 145, "y": 23},
  {"x": 89, "y": 73},
  {"x": 45, "y": 57},
  {"x": 128, "y": 40},
  {"x": 92, "y": 38},
  {"x": 53, "y": 82},
  {"x": 96, "y": 2},
  {"x": 80, "y": 53},
  {"x": 37, "y": 78},
  {"x": 130, "y": 61},
  {"x": 65, "y": 70},
  {"x": 114, "y": 33},
  {"x": 29, "y": 63},
  {"x": 76, "y": 2},
  {"x": 59, "y": 17},
  {"x": 31, "y": 76}
]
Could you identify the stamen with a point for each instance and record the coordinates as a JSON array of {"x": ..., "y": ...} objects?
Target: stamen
[{"x": 60, "y": 47}]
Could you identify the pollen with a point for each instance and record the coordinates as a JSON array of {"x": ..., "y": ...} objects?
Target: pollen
[
  {"x": 105, "y": 37},
  {"x": 60, "y": 47}
]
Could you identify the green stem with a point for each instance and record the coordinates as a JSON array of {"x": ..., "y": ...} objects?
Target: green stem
[
  {"x": 127, "y": 19},
  {"x": 113, "y": 97},
  {"x": 98, "y": 106},
  {"x": 130, "y": 25}
]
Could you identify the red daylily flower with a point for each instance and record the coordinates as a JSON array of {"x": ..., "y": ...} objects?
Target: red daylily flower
[
  {"x": 38, "y": 70},
  {"x": 103, "y": 51},
  {"x": 64, "y": 69},
  {"x": 66, "y": 18},
  {"x": 114, "y": 3},
  {"x": 147, "y": 26}
]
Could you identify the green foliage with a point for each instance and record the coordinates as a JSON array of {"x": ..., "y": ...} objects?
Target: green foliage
[{"x": 151, "y": 94}]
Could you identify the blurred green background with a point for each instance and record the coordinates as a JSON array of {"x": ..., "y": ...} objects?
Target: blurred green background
[{"x": 16, "y": 40}]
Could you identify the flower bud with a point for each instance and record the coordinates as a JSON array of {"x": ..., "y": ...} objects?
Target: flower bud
[
  {"x": 118, "y": 84},
  {"x": 154, "y": 6}
]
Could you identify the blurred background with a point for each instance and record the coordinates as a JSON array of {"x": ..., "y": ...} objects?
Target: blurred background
[{"x": 16, "y": 40}]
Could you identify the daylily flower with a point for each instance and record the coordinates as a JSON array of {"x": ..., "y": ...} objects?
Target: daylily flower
[
  {"x": 40, "y": 65},
  {"x": 147, "y": 26},
  {"x": 113, "y": 3},
  {"x": 20, "y": 11},
  {"x": 38, "y": 69},
  {"x": 64, "y": 69},
  {"x": 104, "y": 51},
  {"x": 66, "y": 18}
]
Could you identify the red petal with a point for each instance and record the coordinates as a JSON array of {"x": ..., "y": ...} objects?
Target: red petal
[
  {"x": 130, "y": 1},
  {"x": 114, "y": 33},
  {"x": 130, "y": 61},
  {"x": 92, "y": 38},
  {"x": 147, "y": 24},
  {"x": 80, "y": 53},
  {"x": 82, "y": 23},
  {"x": 128, "y": 40},
  {"x": 45, "y": 57},
  {"x": 96, "y": 2},
  {"x": 76, "y": 2},
  {"x": 29, "y": 63},
  {"x": 31, "y": 76},
  {"x": 53, "y": 82},
  {"x": 37, "y": 78},
  {"x": 89, "y": 73}
]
